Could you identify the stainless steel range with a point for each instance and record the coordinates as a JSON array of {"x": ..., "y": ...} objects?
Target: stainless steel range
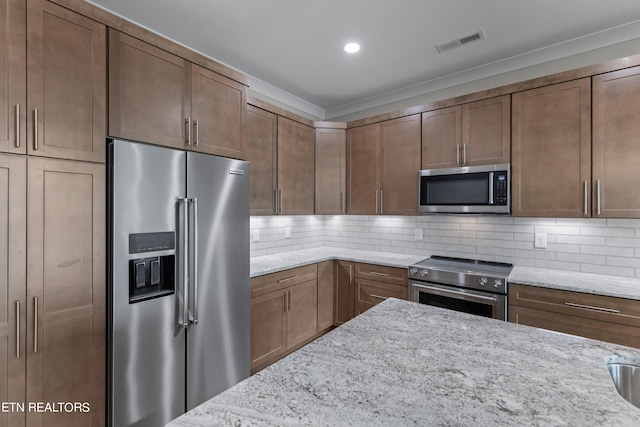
[{"x": 467, "y": 285}]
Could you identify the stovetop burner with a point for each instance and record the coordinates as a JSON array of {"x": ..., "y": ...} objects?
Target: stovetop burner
[{"x": 464, "y": 265}]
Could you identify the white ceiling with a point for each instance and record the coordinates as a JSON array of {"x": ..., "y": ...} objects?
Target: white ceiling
[{"x": 292, "y": 49}]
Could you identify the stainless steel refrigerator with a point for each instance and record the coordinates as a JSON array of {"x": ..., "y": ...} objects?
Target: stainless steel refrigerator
[{"x": 178, "y": 318}]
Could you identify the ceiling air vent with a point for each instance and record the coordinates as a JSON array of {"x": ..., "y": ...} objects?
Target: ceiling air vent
[{"x": 452, "y": 44}]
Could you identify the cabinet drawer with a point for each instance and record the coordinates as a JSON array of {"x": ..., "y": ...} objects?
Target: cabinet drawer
[
  {"x": 272, "y": 282},
  {"x": 397, "y": 276},
  {"x": 584, "y": 327},
  {"x": 369, "y": 293},
  {"x": 598, "y": 307}
]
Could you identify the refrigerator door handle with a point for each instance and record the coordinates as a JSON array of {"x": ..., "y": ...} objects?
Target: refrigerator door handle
[
  {"x": 193, "y": 252},
  {"x": 183, "y": 263}
]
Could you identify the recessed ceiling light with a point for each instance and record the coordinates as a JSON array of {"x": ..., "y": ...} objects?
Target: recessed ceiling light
[{"x": 351, "y": 47}]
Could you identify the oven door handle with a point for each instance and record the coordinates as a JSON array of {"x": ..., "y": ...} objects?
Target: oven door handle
[{"x": 467, "y": 295}]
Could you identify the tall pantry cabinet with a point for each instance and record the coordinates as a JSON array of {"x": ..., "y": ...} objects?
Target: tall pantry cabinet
[{"x": 52, "y": 212}]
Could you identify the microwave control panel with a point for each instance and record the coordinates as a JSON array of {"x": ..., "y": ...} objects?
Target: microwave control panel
[{"x": 500, "y": 188}]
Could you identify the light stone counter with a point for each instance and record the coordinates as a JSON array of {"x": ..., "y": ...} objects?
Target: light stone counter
[
  {"x": 283, "y": 261},
  {"x": 403, "y": 363}
]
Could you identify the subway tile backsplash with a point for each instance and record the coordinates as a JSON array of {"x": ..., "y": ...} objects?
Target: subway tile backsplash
[{"x": 605, "y": 246}]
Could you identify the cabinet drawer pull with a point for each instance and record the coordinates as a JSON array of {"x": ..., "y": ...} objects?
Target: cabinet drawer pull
[
  {"x": 377, "y": 296},
  {"x": 379, "y": 274},
  {"x": 17, "y": 329},
  {"x": 287, "y": 279},
  {"x": 35, "y": 324},
  {"x": 17, "y": 125},
  {"x": 588, "y": 307}
]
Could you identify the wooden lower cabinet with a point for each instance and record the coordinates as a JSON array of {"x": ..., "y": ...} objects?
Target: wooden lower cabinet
[
  {"x": 284, "y": 313},
  {"x": 343, "y": 292},
  {"x": 375, "y": 283},
  {"x": 604, "y": 318},
  {"x": 325, "y": 295}
]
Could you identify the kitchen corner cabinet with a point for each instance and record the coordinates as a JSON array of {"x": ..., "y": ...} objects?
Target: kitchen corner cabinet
[
  {"x": 160, "y": 98},
  {"x": 343, "y": 292},
  {"x": 13, "y": 277},
  {"x": 52, "y": 272},
  {"x": 55, "y": 82},
  {"x": 604, "y": 318},
  {"x": 325, "y": 295},
  {"x": 262, "y": 154},
  {"x": 616, "y": 144},
  {"x": 382, "y": 167},
  {"x": 551, "y": 150},
  {"x": 331, "y": 165},
  {"x": 296, "y": 168},
  {"x": 475, "y": 133},
  {"x": 375, "y": 283},
  {"x": 284, "y": 313}
]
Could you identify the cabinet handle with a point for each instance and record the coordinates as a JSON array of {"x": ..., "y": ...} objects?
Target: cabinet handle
[
  {"x": 290, "y": 298},
  {"x": 377, "y": 296},
  {"x": 286, "y": 295},
  {"x": 287, "y": 279},
  {"x": 35, "y": 129},
  {"x": 17, "y": 329},
  {"x": 379, "y": 274},
  {"x": 586, "y": 197},
  {"x": 342, "y": 202},
  {"x": 275, "y": 201},
  {"x": 195, "y": 127},
  {"x": 464, "y": 154},
  {"x": 381, "y": 210},
  {"x": 598, "y": 194},
  {"x": 457, "y": 154},
  {"x": 376, "y": 201},
  {"x": 280, "y": 200},
  {"x": 35, "y": 324},
  {"x": 589, "y": 307},
  {"x": 187, "y": 123},
  {"x": 350, "y": 273},
  {"x": 17, "y": 125}
]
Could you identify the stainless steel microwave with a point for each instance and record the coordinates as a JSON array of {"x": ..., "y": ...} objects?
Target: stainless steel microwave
[{"x": 468, "y": 190}]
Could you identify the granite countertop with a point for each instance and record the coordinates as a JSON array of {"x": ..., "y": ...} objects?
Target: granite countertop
[
  {"x": 600, "y": 284},
  {"x": 403, "y": 363}
]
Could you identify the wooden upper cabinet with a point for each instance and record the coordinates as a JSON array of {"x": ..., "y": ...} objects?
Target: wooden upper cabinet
[
  {"x": 363, "y": 170},
  {"x": 551, "y": 150},
  {"x": 486, "y": 131},
  {"x": 218, "y": 109},
  {"x": 295, "y": 168},
  {"x": 399, "y": 165},
  {"x": 262, "y": 153},
  {"x": 13, "y": 276},
  {"x": 66, "y": 78},
  {"x": 331, "y": 173},
  {"x": 13, "y": 76},
  {"x": 442, "y": 138},
  {"x": 616, "y": 144},
  {"x": 66, "y": 289},
  {"x": 149, "y": 93}
]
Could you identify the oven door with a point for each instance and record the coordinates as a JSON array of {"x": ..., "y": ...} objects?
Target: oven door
[{"x": 465, "y": 300}]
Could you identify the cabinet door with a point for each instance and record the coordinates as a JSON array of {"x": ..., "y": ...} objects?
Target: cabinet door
[
  {"x": 219, "y": 108},
  {"x": 344, "y": 292},
  {"x": 296, "y": 174},
  {"x": 13, "y": 76},
  {"x": 262, "y": 153},
  {"x": 268, "y": 328},
  {"x": 302, "y": 317},
  {"x": 363, "y": 170},
  {"x": 66, "y": 289},
  {"x": 325, "y": 295},
  {"x": 551, "y": 150},
  {"x": 399, "y": 165},
  {"x": 441, "y": 138},
  {"x": 331, "y": 172},
  {"x": 149, "y": 93},
  {"x": 13, "y": 235},
  {"x": 616, "y": 144},
  {"x": 67, "y": 72},
  {"x": 486, "y": 131}
]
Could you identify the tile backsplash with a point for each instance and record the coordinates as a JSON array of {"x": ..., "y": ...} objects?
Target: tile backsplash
[{"x": 605, "y": 246}]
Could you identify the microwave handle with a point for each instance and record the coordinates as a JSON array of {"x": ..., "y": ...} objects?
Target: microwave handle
[{"x": 491, "y": 188}]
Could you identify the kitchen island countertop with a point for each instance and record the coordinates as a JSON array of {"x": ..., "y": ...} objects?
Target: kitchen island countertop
[{"x": 402, "y": 363}]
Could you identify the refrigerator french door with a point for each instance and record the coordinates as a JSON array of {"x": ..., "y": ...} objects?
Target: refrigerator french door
[{"x": 179, "y": 280}]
